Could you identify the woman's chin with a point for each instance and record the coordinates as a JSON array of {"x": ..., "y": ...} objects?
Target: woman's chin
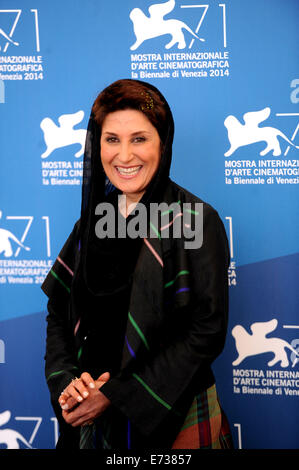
[{"x": 129, "y": 186}]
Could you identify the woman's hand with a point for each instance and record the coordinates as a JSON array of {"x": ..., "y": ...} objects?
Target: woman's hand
[
  {"x": 78, "y": 390},
  {"x": 91, "y": 405}
]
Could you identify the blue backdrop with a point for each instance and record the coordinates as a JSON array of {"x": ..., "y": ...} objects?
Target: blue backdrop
[{"x": 230, "y": 73}]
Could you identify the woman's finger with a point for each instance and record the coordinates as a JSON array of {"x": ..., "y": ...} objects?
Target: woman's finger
[
  {"x": 104, "y": 377},
  {"x": 73, "y": 392},
  {"x": 87, "y": 380},
  {"x": 69, "y": 404},
  {"x": 80, "y": 386},
  {"x": 75, "y": 389},
  {"x": 64, "y": 396}
]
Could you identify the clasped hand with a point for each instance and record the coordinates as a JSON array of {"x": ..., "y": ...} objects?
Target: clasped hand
[{"x": 82, "y": 401}]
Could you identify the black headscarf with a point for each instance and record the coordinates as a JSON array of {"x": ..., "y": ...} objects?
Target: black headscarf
[{"x": 106, "y": 265}]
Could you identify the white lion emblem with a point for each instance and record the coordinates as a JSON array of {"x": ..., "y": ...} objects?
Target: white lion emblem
[
  {"x": 250, "y": 133},
  {"x": 64, "y": 134},
  {"x": 153, "y": 26},
  {"x": 10, "y": 437},
  {"x": 256, "y": 343},
  {"x": 5, "y": 244}
]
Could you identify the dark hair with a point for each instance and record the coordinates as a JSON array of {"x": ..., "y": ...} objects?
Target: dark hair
[{"x": 132, "y": 94}]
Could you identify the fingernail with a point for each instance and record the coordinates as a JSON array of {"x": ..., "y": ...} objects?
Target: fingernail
[
  {"x": 79, "y": 398},
  {"x": 91, "y": 385},
  {"x": 85, "y": 394},
  {"x": 65, "y": 407}
]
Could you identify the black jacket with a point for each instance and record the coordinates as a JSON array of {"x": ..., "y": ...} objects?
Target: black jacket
[
  {"x": 176, "y": 324},
  {"x": 178, "y": 306}
]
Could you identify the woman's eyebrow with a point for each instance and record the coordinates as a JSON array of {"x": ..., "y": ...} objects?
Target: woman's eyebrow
[
  {"x": 140, "y": 132},
  {"x": 133, "y": 133}
]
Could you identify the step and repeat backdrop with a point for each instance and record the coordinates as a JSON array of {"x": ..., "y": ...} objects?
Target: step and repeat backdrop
[{"x": 229, "y": 71}]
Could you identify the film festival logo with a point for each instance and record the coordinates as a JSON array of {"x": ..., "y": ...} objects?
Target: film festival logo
[
  {"x": 64, "y": 134},
  {"x": 185, "y": 54},
  {"x": 9, "y": 437},
  {"x": 264, "y": 149},
  {"x": 20, "y": 66},
  {"x": 58, "y": 136},
  {"x": 15, "y": 268},
  {"x": 155, "y": 25},
  {"x": 11, "y": 18},
  {"x": 6, "y": 37},
  {"x": 240, "y": 135},
  {"x": 8, "y": 240},
  {"x": 258, "y": 343}
]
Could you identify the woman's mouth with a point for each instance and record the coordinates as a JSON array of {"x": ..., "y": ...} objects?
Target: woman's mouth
[{"x": 128, "y": 172}]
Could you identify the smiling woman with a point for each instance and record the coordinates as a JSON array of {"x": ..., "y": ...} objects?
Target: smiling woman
[
  {"x": 139, "y": 319},
  {"x": 130, "y": 152}
]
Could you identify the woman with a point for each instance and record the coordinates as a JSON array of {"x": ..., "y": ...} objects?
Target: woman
[{"x": 139, "y": 319}]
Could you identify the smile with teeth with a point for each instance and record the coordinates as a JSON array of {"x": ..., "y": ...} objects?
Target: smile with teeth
[{"x": 132, "y": 171}]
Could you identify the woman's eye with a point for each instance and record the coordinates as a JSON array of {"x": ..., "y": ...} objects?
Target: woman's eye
[
  {"x": 139, "y": 139},
  {"x": 111, "y": 139}
]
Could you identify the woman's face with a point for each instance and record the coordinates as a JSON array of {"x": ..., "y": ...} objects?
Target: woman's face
[{"x": 130, "y": 151}]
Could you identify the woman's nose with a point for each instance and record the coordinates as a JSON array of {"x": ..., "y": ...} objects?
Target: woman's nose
[{"x": 125, "y": 153}]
